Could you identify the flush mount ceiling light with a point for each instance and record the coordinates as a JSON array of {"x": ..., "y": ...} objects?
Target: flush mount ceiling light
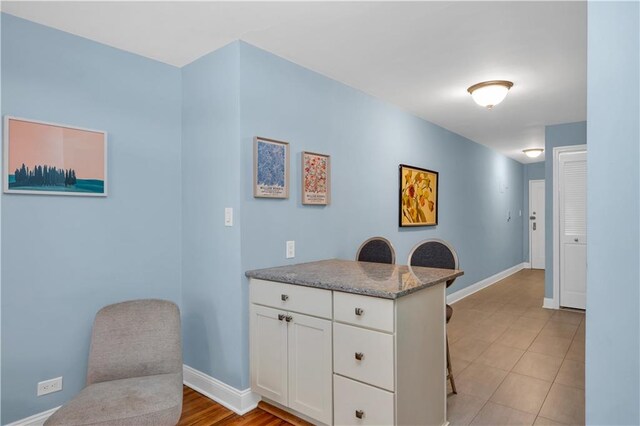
[
  {"x": 490, "y": 93},
  {"x": 533, "y": 152}
]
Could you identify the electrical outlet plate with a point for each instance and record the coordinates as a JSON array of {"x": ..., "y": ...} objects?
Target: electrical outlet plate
[
  {"x": 291, "y": 249},
  {"x": 49, "y": 386}
]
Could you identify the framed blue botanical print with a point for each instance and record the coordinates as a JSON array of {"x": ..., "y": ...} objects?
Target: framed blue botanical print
[{"x": 270, "y": 168}]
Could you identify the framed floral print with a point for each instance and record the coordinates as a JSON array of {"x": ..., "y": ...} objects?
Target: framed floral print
[
  {"x": 316, "y": 178},
  {"x": 418, "y": 196},
  {"x": 270, "y": 168}
]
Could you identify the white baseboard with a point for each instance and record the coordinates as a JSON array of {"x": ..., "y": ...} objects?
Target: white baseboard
[
  {"x": 35, "y": 420},
  {"x": 473, "y": 288},
  {"x": 238, "y": 401},
  {"x": 526, "y": 265},
  {"x": 550, "y": 303}
]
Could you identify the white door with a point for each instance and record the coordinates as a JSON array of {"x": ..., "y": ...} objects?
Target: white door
[
  {"x": 573, "y": 229},
  {"x": 269, "y": 353},
  {"x": 310, "y": 367},
  {"x": 536, "y": 223}
]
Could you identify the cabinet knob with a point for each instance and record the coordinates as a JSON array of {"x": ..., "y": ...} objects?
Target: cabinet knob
[
  {"x": 576, "y": 240},
  {"x": 284, "y": 297},
  {"x": 359, "y": 356},
  {"x": 359, "y": 414},
  {"x": 288, "y": 318},
  {"x": 359, "y": 311},
  {"x": 281, "y": 316}
]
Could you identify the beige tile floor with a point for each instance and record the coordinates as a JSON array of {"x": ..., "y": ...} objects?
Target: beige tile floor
[{"x": 514, "y": 362}]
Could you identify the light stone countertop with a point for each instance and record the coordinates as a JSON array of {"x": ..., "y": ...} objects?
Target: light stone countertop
[{"x": 370, "y": 279}]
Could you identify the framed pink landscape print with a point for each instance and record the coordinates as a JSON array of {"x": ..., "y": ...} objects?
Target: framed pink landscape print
[
  {"x": 316, "y": 179},
  {"x": 54, "y": 159}
]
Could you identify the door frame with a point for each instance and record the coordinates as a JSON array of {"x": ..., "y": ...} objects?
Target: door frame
[
  {"x": 531, "y": 181},
  {"x": 554, "y": 301}
]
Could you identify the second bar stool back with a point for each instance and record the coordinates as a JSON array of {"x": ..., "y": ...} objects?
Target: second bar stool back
[{"x": 437, "y": 254}]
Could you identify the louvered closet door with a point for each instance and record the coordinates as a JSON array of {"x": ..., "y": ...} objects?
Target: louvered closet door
[{"x": 573, "y": 229}]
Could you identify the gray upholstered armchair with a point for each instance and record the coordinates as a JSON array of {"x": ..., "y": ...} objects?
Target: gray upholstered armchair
[{"x": 135, "y": 368}]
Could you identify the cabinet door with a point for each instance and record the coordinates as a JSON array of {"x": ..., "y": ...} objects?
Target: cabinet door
[
  {"x": 310, "y": 371},
  {"x": 269, "y": 353}
]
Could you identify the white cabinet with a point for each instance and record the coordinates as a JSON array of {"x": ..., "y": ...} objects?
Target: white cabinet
[
  {"x": 364, "y": 355},
  {"x": 309, "y": 344},
  {"x": 359, "y": 404},
  {"x": 347, "y": 359},
  {"x": 269, "y": 353},
  {"x": 291, "y": 353}
]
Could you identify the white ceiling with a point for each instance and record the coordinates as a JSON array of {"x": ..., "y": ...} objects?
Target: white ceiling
[{"x": 420, "y": 56}]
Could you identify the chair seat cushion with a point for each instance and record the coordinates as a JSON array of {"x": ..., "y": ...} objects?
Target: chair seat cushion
[
  {"x": 449, "y": 312},
  {"x": 149, "y": 400}
]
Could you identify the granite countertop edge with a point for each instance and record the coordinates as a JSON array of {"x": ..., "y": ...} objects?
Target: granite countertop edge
[{"x": 268, "y": 275}]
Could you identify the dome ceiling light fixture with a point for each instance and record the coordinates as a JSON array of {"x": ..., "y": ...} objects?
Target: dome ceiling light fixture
[
  {"x": 533, "y": 152},
  {"x": 490, "y": 93}
]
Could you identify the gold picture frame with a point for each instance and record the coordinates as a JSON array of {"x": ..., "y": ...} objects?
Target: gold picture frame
[{"x": 418, "y": 200}]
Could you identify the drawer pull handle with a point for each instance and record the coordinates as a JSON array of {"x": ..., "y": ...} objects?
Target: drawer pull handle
[
  {"x": 359, "y": 414},
  {"x": 359, "y": 356},
  {"x": 284, "y": 297},
  {"x": 281, "y": 316},
  {"x": 288, "y": 318},
  {"x": 359, "y": 311}
]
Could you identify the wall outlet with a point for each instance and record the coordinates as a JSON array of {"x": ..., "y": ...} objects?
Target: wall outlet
[
  {"x": 48, "y": 386},
  {"x": 291, "y": 249},
  {"x": 228, "y": 216}
]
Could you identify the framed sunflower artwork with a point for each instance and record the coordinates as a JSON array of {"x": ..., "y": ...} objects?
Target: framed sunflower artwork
[{"x": 418, "y": 197}]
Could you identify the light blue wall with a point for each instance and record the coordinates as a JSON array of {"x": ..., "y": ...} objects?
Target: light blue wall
[
  {"x": 193, "y": 128},
  {"x": 367, "y": 140},
  {"x": 613, "y": 212},
  {"x": 65, "y": 257},
  {"x": 532, "y": 171},
  {"x": 557, "y": 135},
  {"x": 213, "y": 301}
]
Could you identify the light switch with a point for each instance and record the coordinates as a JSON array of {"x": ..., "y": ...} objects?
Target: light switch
[
  {"x": 228, "y": 216},
  {"x": 291, "y": 249}
]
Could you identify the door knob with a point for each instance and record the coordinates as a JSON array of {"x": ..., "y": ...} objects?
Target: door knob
[
  {"x": 281, "y": 317},
  {"x": 288, "y": 318}
]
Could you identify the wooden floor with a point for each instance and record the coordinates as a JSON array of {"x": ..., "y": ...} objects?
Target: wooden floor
[{"x": 201, "y": 411}]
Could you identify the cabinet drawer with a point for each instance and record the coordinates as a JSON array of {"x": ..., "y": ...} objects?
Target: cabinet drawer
[
  {"x": 364, "y": 311},
  {"x": 353, "y": 400},
  {"x": 364, "y": 355},
  {"x": 289, "y": 297}
]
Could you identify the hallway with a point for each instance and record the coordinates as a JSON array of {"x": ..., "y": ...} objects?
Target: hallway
[{"x": 514, "y": 362}]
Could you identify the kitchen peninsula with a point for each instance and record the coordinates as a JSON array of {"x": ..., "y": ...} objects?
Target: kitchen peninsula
[{"x": 344, "y": 342}]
